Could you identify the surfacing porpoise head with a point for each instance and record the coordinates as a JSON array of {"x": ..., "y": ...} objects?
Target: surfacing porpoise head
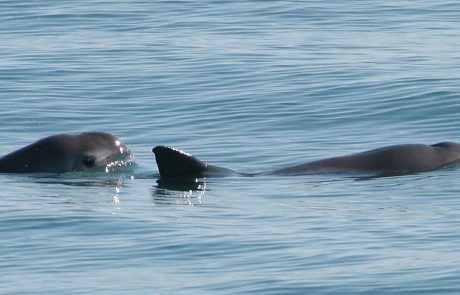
[
  {"x": 67, "y": 153},
  {"x": 97, "y": 149}
]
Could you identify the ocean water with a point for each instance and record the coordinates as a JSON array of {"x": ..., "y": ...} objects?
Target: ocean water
[{"x": 248, "y": 85}]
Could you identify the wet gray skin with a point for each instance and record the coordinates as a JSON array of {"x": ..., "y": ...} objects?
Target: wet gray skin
[{"x": 390, "y": 160}]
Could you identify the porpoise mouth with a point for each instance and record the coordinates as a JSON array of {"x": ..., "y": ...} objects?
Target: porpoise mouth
[{"x": 124, "y": 159}]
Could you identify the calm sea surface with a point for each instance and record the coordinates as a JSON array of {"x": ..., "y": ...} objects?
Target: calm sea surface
[{"x": 248, "y": 85}]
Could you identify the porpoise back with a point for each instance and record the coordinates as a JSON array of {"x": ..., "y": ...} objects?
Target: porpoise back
[
  {"x": 390, "y": 160},
  {"x": 174, "y": 163}
]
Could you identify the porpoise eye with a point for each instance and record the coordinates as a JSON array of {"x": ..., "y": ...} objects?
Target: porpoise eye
[{"x": 89, "y": 161}]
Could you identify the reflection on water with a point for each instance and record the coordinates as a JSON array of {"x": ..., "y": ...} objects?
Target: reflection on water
[
  {"x": 116, "y": 201},
  {"x": 117, "y": 182},
  {"x": 179, "y": 192},
  {"x": 186, "y": 184}
]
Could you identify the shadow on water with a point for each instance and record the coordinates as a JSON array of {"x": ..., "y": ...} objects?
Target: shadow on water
[
  {"x": 191, "y": 191},
  {"x": 116, "y": 180},
  {"x": 192, "y": 184},
  {"x": 83, "y": 182},
  {"x": 179, "y": 191}
]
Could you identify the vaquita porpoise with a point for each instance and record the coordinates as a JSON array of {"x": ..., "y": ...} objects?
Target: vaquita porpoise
[{"x": 385, "y": 161}]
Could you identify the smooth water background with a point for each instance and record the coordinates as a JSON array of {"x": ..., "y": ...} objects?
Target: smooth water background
[{"x": 248, "y": 85}]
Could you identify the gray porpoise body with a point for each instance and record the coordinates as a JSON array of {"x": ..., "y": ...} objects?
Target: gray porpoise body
[
  {"x": 66, "y": 153},
  {"x": 396, "y": 159},
  {"x": 390, "y": 160}
]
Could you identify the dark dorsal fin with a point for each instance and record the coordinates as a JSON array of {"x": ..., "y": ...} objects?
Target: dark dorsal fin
[{"x": 175, "y": 163}]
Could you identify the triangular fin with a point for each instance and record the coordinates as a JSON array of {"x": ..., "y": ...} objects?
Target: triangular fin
[{"x": 176, "y": 163}]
